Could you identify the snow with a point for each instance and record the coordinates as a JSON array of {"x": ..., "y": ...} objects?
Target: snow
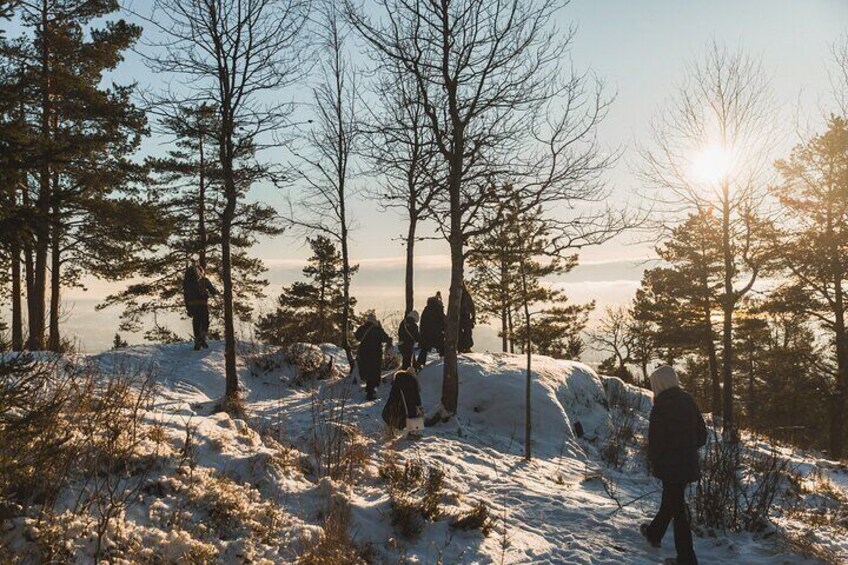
[{"x": 557, "y": 508}]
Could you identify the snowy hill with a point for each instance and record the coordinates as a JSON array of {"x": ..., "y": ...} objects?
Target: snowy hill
[{"x": 313, "y": 464}]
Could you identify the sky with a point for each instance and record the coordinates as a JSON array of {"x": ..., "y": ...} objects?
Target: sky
[{"x": 640, "y": 49}]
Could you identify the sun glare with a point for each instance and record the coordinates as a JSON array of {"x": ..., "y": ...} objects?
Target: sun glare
[{"x": 711, "y": 164}]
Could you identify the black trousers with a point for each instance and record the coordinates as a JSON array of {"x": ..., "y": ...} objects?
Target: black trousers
[
  {"x": 200, "y": 322},
  {"x": 673, "y": 508},
  {"x": 407, "y": 351}
]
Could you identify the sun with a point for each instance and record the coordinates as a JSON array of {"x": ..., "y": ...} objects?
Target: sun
[{"x": 711, "y": 164}]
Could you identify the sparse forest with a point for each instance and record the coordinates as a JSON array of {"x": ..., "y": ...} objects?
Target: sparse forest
[{"x": 180, "y": 153}]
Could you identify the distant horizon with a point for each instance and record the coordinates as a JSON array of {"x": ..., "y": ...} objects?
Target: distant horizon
[
  {"x": 640, "y": 50},
  {"x": 380, "y": 289}
]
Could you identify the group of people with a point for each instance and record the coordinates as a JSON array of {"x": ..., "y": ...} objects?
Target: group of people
[
  {"x": 425, "y": 331},
  {"x": 676, "y": 431}
]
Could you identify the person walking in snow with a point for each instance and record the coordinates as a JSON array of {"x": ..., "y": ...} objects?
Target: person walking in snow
[
  {"x": 467, "y": 321},
  {"x": 369, "y": 355},
  {"x": 196, "y": 292},
  {"x": 432, "y": 329},
  {"x": 675, "y": 434},
  {"x": 403, "y": 409},
  {"x": 408, "y": 336}
]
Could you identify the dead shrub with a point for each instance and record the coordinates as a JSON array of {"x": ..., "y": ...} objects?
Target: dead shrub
[
  {"x": 739, "y": 487},
  {"x": 407, "y": 516},
  {"x": 478, "y": 518},
  {"x": 338, "y": 448},
  {"x": 414, "y": 498},
  {"x": 262, "y": 360},
  {"x": 311, "y": 363},
  {"x": 335, "y": 546},
  {"x": 623, "y": 412}
]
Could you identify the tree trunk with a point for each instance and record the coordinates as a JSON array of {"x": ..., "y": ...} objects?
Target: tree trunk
[
  {"x": 504, "y": 335},
  {"x": 28, "y": 263},
  {"x": 511, "y": 330},
  {"x": 837, "y": 426},
  {"x": 201, "y": 205},
  {"x": 17, "y": 294},
  {"x": 450, "y": 378},
  {"x": 227, "y": 280},
  {"x": 346, "y": 289},
  {"x": 227, "y": 162},
  {"x": 410, "y": 263},
  {"x": 41, "y": 229},
  {"x": 727, "y": 327},
  {"x": 752, "y": 401},
  {"x": 54, "y": 339},
  {"x": 712, "y": 363},
  {"x": 17, "y": 310},
  {"x": 505, "y": 329},
  {"x": 528, "y": 348}
]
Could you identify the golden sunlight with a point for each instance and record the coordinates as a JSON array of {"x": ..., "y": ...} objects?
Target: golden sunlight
[{"x": 711, "y": 164}]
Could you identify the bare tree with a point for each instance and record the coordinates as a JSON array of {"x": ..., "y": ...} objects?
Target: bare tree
[
  {"x": 231, "y": 54},
  {"x": 501, "y": 112},
  {"x": 323, "y": 205},
  {"x": 612, "y": 336},
  {"x": 839, "y": 76},
  {"x": 712, "y": 151},
  {"x": 402, "y": 151}
]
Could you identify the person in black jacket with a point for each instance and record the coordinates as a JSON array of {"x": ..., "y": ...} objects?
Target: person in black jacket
[
  {"x": 675, "y": 434},
  {"x": 196, "y": 292},
  {"x": 408, "y": 336},
  {"x": 369, "y": 355},
  {"x": 467, "y": 321},
  {"x": 432, "y": 329},
  {"x": 404, "y": 402}
]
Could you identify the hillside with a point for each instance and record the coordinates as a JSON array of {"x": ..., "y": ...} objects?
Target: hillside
[{"x": 260, "y": 489}]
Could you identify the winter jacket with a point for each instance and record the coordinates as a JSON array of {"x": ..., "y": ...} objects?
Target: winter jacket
[
  {"x": 433, "y": 324},
  {"x": 369, "y": 356},
  {"x": 467, "y": 311},
  {"x": 404, "y": 401},
  {"x": 408, "y": 334},
  {"x": 675, "y": 434},
  {"x": 196, "y": 291}
]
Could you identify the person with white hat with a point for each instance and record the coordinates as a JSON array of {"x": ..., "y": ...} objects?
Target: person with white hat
[
  {"x": 369, "y": 357},
  {"x": 675, "y": 434}
]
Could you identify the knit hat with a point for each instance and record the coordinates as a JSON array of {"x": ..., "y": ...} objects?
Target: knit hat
[
  {"x": 414, "y": 315},
  {"x": 664, "y": 378},
  {"x": 371, "y": 317}
]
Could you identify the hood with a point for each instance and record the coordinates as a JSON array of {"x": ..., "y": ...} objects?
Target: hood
[{"x": 664, "y": 378}]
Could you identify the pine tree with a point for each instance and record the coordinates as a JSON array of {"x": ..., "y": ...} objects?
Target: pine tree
[
  {"x": 679, "y": 299},
  {"x": 520, "y": 244},
  {"x": 187, "y": 185},
  {"x": 85, "y": 218},
  {"x": 813, "y": 251},
  {"x": 311, "y": 311},
  {"x": 15, "y": 224}
]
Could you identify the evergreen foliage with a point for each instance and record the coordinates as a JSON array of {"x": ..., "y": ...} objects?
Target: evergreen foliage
[{"x": 311, "y": 311}]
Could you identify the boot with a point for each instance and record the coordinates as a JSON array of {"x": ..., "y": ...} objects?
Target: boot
[{"x": 644, "y": 529}]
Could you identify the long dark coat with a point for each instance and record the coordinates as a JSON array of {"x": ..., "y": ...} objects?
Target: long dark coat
[
  {"x": 405, "y": 390},
  {"x": 408, "y": 334},
  {"x": 676, "y": 432},
  {"x": 433, "y": 324},
  {"x": 196, "y": 291},
  {"x": 369, "y": 356}
]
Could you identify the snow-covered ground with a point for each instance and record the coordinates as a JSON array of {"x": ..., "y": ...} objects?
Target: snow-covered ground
[{"x": 254, "y": 491}]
